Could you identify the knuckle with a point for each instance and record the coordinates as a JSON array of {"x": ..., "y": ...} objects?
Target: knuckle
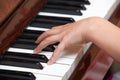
[
  {"x": 48, "y": 32},
  {"x": 47, "y": 39},
  {"x": 42, "y": 45},
  {"x": 54, "y": 27}
]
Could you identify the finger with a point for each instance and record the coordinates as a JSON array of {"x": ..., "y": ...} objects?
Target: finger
[
  {"x": 46, "y": 34},
  {"x": 58, "y": 27},
  {"x": 56, "y": 53},
  {"x": 46, "y": 42}
]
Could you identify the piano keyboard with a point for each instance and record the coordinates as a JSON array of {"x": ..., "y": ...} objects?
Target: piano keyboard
[{"x": 66, "y": 63}]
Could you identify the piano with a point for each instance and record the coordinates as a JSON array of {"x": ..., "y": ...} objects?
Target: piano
[{"x": 22, "y": 21}]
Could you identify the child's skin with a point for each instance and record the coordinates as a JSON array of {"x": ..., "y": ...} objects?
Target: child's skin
[{"x": 94, "y": 29}]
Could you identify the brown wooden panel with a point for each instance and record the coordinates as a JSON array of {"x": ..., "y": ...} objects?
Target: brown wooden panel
[
  {"x": 6, "y": 7},
  {"x": 115, "y": 18},
  {"x": 86, "y": 61},
  {"x": 17, "y": 22}
]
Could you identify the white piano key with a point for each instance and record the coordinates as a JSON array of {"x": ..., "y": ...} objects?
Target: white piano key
[
  {"x": 20, "y": 50},
  {"x": 70, "y": 60},
  {"x": 36, "y": 28},
  {"x": 38, "y": 76},
  {"x": 63, "y": 59},
  {"x": 47, "y": 77},
  {"x": 53, "y": 70}
]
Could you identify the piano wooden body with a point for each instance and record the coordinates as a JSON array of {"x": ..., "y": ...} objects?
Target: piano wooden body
[{"x": 15, "y": 15}]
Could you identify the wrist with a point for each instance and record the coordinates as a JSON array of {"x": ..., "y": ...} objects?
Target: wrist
[{"x": 93, "y": 26}]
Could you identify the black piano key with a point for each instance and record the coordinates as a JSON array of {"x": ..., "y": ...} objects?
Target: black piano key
[
  {"x": 65, "y": 5},
  {"x": 43, "y": 24},
  {"x": 16, "y": 75},
  {"x": 22, "y": 36},
  {"x": 72, "y": 7},
  {"x": 27, "y": 41},
  {"x": 49, "y": 21},
  {"x": 82, "y": 1},
  {"x": 62, "y": 6},
  {"x": 75, "y": 2},
  {"x": 11, "y": 61},
  {"x": 33, "y": 31},
  {"x": 31, "y": 57},
  {"x": 24, "y": 45},
  {"x": 30, "y": 45},
  {"x": 30, "y": 34},
  {"x": 53, "y": 19},
  {"x": 62, "y": 10}
]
